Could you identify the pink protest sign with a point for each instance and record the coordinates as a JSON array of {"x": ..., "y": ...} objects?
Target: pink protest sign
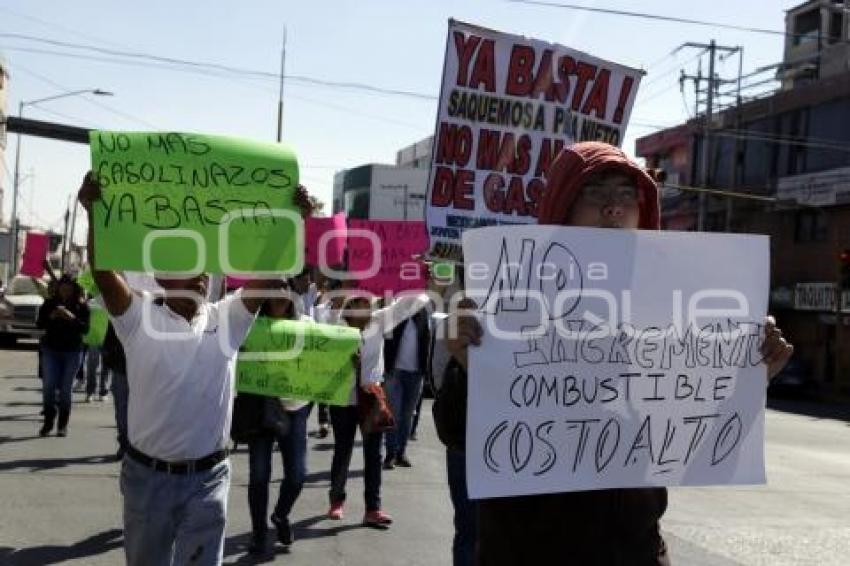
[
  {"x": 384, "y": 262},
  {"x": 235, "y": 282},
  {"x": 35, "y": 252},
  {"x": 334, "y": 241}
]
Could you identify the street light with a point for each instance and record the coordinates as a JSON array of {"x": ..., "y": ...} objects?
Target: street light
[{"x": 13, "y": 252}]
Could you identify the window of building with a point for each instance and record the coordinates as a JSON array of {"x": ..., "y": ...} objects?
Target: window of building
[
  {"x": 836, "y": 25},
  {"x": 810, "y": 226},
  {"x": 807, "y": 27}
]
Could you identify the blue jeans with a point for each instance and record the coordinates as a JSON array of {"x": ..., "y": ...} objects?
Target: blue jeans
[
  {"x": 174, "y": 519},
  {"x": 93, "y": 361},
  {"x": 344, "y": 421},
  {"x": 466, "y": 511},
  {"x": 403, "y": 389},
  {"x": 59, "y": 371},
  {"x": 293, "y": 452},
  {"x": 120, "y": 397}
]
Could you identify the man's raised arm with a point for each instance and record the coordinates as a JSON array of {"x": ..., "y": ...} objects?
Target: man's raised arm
[{"x": 114, "y": 290}]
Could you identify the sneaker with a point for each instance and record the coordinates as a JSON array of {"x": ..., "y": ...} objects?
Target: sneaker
[
  {"x": 323, "y": 431},
  {"x": 335, "y": 512},
  {"x": 103, "y": 398},
  {"x": 284, "y": 530},
  {"x": 89, "y": 398},
  {"x": 258, "y": 544},
  {"x": 402, "y": 462},
  {"x": 377, "y": 519},
  {"x": 389, "y": 462},
  {"x": 62, "y": 432}
]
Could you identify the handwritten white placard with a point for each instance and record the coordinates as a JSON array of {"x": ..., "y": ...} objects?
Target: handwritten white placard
[{"x": 615, "y": 358}]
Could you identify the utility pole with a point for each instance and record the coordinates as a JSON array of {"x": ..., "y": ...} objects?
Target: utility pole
[
  {"x": 712, "y": 49},
  {"x": 734, "y": 178},
  {"x": 280, "y": 94}
]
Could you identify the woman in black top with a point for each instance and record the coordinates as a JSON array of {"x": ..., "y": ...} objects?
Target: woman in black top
[{"x": 65, "y": 319}]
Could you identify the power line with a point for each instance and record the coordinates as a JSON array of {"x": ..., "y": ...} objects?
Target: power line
[
  {"x": 658, "y": 17},
  {"x": 61, "y": 115},
  {"x": 213, "y": 74},
  {"x": 220, "y": 67},
  {"x": 56, "y": 26},
  {"x": 101, "y": 105}
]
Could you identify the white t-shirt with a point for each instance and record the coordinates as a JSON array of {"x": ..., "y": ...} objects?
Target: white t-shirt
[
  {"x": 181, "y": 375},
  {"x": 382, "y": 322}
]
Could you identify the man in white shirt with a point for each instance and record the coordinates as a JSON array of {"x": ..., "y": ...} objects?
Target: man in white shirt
[
  {"x": 181, "y": 356},
  {"x": 406, "y": 359}
]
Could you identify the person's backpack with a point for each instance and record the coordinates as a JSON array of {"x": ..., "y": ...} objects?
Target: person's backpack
[{"x": 247, "y": 417}]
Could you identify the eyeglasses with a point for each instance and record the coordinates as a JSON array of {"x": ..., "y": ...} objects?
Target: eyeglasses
[{"x": 600, "y": 195}]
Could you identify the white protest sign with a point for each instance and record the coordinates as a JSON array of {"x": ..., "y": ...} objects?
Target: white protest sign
[
  {"x": 614, "y": 358},
  {"x": 508, "y": 104}
]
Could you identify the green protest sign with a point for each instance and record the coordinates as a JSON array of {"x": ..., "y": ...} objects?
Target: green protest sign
[
  {"x": 320, "y": 371},
  {"x": 98, "y": 324},
  {"x": 175, "y": 202},
  {"x": 86, "y": 280}
]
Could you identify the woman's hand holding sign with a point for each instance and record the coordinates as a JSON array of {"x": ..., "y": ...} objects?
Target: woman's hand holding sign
[
  {"x": 775, "y": 349},
  {"x": 464, "y": 329}
]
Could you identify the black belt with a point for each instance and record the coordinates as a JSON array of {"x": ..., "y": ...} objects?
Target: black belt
[{"x": 182, "y": 468}]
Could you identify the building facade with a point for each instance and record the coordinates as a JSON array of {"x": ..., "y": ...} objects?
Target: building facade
[
  {"x": 386, "y": 192},
  {"x": 789, "y": 152}
]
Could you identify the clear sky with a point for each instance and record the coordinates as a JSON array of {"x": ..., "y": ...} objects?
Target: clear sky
[{"x": 397, "y": 45}]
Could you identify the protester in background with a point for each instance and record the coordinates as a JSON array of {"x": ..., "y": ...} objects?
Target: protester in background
[
  {"x": 306, "y": 290},
  {"x": 447, "y": 387},
  {"x": 358, "y": 312},
  {"x": 405, "y": 359},
  {"x": 94, "y": 361},
  {"x": 589, "y": 184},
  {"x": 176, "y": 478},
  {"x": 326, "y": 311},
  {"x": 65, "y": 319},
  {"x": 266, "y": 420},
  {"x": 114, "y": 361}
]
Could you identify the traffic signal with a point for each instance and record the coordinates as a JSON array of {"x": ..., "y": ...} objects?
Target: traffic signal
[{"x": 844, "y": 267}]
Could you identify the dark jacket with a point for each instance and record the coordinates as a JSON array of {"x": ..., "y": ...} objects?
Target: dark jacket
[
  {"x": 60, "y": 334},
  {"x": 423, "y": 333},
  {"x": 113, "y": 352},
  {"x": 609, "y": 527},
  {"x": 257, "y": 415}
]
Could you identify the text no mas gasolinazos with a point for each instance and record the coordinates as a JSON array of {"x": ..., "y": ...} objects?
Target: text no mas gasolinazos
[{"x": 195, "y": 184}]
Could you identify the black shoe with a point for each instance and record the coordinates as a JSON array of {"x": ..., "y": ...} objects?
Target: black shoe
[
  {"x": 413, "y": 436},
  {"x": 389, "y": 462},
  {"x": 258, "y": 544},
  {"x": 284, "y": 530},
  {"x": 45, "y": 430},
  {"x": 402, "y": 462},
  {"x": 62, "y": 432}
]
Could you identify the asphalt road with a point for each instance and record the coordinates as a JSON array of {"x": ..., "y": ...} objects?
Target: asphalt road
[{"x": 60, "y": 499}]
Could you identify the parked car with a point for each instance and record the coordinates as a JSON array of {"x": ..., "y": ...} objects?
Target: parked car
[
  {"x": 793, "y": 382},
  {"x": 19, "y": 308}
]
